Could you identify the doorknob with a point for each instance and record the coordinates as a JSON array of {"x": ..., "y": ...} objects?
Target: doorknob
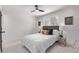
[{"x": 2, "y": 31}]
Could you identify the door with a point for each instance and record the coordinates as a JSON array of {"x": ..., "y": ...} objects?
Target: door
[{"x": 0, "y": 31}]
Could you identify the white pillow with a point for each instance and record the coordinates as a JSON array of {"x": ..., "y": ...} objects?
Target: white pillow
[{"x": 55, "y": 32}]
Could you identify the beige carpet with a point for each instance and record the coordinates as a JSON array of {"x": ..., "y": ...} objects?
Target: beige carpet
[{"x": 19, "y": 48}]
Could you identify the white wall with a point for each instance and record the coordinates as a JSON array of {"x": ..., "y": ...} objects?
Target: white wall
[
  {"x": 17, "y": 23},
  {"x": 72, "y": 31}
]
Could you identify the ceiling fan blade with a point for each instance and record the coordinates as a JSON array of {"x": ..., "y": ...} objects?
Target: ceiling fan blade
[
  {"x": 41, "y": 10},
  {"x": 33, "y": 11}
]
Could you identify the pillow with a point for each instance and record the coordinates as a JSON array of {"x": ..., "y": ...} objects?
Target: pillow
[
  {"x": 55, "y": 32},
  {"x": 50, "y": 31},
  {"x": 47, "y": 32}
]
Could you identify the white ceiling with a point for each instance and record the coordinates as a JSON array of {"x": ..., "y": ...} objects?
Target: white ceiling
[
  {"x": 26, "y": 9},
  {"x": 47, "y": 9}
]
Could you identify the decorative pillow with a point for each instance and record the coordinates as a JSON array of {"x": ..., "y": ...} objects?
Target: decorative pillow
[
  {"x": 50, "y": 31},
  {"x": 47, "y": 32},
  {"x": 55, "y": 32}
]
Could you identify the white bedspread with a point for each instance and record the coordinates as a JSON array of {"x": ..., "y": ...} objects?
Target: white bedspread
[{"x": 38, "y": 43}]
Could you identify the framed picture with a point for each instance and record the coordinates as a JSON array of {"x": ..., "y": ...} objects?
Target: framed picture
[
  {"x": 39, "y": 23},
  {"x": 69, "y": 20}
]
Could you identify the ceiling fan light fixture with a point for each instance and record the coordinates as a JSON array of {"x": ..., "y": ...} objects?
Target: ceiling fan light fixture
[{"x": 37, "y": 9}]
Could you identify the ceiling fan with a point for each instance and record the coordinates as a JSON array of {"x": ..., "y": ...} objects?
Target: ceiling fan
[{"x": 37, "y": 9}]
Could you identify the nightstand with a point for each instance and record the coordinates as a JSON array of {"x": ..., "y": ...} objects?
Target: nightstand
[{"x": 62, "y": 41}]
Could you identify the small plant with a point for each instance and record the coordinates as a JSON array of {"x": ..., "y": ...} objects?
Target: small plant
[{"x": 61, "y": 34}]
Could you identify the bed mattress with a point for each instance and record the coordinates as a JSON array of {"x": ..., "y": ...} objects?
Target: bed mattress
[{"x": 38, "y": 43}]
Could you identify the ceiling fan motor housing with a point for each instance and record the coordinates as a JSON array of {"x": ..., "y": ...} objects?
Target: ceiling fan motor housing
[{"x": 36, "y": 8}]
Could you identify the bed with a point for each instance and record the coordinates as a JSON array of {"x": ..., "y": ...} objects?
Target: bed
[{"x": 38, "y": 42}]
